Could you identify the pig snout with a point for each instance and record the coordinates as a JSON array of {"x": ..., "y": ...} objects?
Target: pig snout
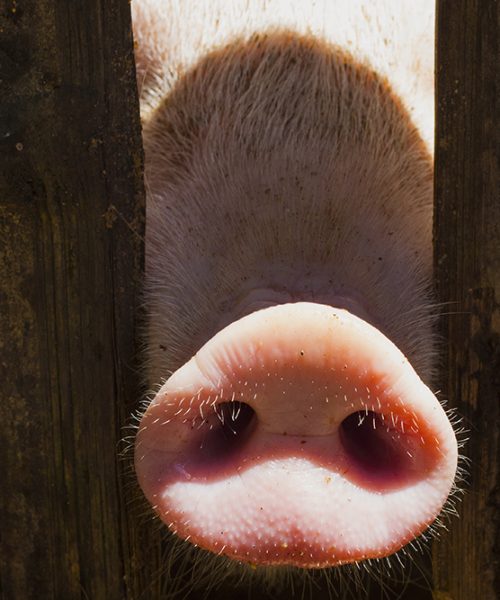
[{"x": 299, "y": 434}]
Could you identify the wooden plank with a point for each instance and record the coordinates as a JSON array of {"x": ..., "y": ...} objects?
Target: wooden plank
[
  {"x": 71, "y": 231},
  {"x": 467, "y": 263}
]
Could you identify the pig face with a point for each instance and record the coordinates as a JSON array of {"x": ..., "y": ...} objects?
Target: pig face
[{"x": 288, "y": 269}]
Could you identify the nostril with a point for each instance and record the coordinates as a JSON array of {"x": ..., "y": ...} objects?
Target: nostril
[
  {"x": 382, "y": 452},
  {"x": 225, "y": 431},
  {"x": 235, "y": 419}
]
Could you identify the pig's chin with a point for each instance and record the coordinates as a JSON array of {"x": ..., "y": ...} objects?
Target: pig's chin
[{"x": 297, "y": 435}]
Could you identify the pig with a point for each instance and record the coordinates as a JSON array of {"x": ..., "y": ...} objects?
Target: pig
[{"x": 290, "y": 335}]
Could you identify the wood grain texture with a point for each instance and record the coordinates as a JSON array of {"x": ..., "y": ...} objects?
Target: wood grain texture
[
  {"x": 467, "y": 263},
  {"x": 71, "y": 231}
]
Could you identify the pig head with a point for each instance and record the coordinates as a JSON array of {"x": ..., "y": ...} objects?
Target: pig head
[{"x": 290, "y": 322}]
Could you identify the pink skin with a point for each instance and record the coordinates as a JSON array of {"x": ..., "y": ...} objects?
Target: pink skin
[{"x": 303, "y": 483}]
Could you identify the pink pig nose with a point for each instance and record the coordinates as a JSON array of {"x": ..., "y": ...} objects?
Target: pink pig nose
[{"x": 297, "y": 435}]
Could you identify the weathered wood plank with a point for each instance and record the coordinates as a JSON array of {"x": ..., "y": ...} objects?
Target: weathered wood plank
[
  {"x": 71, "y": 226},
  {"x": 467, "y": 262}
]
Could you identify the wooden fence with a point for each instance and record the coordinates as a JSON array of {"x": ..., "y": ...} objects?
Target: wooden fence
[{"x": 467, "y": 272}]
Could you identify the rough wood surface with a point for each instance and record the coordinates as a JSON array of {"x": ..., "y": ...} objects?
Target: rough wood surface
[
  {"x": 467, "y": 262},
  {"x": 71, "y": 221}
]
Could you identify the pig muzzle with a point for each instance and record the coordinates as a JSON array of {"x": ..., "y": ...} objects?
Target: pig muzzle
[{"x": 299, "y": 435}]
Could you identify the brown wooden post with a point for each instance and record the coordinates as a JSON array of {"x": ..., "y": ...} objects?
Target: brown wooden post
[
  {"x": 467, "y": 263},
  {"x": 71, "y": 231}
]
